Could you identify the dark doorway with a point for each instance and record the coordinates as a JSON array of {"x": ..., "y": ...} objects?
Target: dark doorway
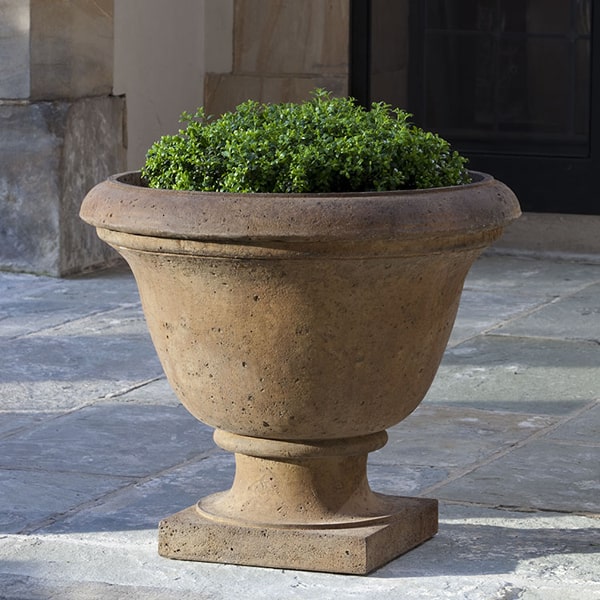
[{"x": 509, "y": 82}]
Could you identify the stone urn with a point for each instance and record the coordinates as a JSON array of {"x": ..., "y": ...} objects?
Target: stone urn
[{"x": 300, "y": 327}]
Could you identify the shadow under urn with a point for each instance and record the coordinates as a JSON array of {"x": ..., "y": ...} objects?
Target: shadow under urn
[{"x": 300, "y": 327}]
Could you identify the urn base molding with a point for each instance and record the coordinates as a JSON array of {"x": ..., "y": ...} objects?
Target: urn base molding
[
  {"x": 190, "y": 535},
  {"x": 300, "y": 505}
]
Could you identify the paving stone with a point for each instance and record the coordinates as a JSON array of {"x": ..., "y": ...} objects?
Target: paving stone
[
  {"x": 404, "y": 480},
  {"x": 78, "y": 362},
  {"x": 484, "y": 310},
  {"x": 31, "y": 588},
  {"x": 475, "y": 541},
  {"x": 158, "y": 391},
  {"x": 441, "y": 436},
  {"x": 542, "y": 279},
  {"x": 143, "y": 505},
  {"x": 116, "y": 323},
  {"x": 478, "y": 554},
  {"x": 109, "y": 439},
  {"x": 584, "y": 428},
  {"x": 30, "y": 496},
  {"x": 575, "y": 317},
  {"x": 545, "y": 475},
  {"x": 11, "y": 423},
  {"x": 95, "y": 449},
  {"x": 30, "y": 303},
  {"x": 520, "y": 374}
]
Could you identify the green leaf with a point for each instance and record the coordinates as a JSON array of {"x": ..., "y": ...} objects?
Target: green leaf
[{"x": 325, "y": 144}]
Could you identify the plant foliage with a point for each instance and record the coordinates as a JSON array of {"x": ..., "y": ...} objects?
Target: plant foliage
[{"x": 325, "y": 144}]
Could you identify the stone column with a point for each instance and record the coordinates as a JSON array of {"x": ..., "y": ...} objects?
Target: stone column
[{"x": 61, "y": 131}]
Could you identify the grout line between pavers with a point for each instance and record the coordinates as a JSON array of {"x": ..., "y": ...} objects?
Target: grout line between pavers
[
  {"x": 544, "y": 338},
  {"x": 512, "y": 447},
  {"x": 525, "y": 313},
  {"x": 52, "y": 416},
  {"x": 134, "y": 481},
  {"x": 131, "y": 388},
  {"x": 73, "y": 320},
  {"x": 519, "y": 508},
  {"x": 557, "y": 256}
]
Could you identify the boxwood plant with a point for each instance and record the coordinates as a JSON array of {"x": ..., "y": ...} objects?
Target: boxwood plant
[{"x": 325, "y": 144}]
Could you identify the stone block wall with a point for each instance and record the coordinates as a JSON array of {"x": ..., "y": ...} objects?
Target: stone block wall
[
  {"x": 61, "y": 131},
  {"x": 279, "y": 50},
  {"x": 51, "y": 154},
  {"x": 71, "y": 48},
  {"x": 14, "y": 49}
]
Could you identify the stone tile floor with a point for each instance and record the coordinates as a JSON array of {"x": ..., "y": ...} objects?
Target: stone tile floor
[{"x": 95, "y": 449}]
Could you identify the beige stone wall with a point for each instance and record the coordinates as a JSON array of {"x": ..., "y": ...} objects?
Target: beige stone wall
[
  {"x": 175, "y": 56},
  {"x": 281, "y": 50},
  {"x": 159, "y": 66},
  {"x": 218, "y": 36}
]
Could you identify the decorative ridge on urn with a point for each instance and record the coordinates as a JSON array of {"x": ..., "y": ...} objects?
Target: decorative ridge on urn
[{"x": 117, "y": 204}]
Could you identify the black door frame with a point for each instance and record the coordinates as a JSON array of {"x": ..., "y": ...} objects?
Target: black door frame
[
  {"x": 543, "y": 183},
  {"x": 360, "y": 51}
]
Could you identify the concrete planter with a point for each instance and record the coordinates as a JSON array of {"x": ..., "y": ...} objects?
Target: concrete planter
[{"x": 301, "y": 327}]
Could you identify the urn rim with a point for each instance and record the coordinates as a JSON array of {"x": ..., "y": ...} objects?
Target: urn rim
[{"x": 122, "y": 203}]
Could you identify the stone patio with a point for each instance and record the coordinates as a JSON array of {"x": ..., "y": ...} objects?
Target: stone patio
[{"x": 95, "y": 449}]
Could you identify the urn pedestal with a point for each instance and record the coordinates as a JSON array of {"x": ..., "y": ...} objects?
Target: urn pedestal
[{"x": 300, "y": 327}]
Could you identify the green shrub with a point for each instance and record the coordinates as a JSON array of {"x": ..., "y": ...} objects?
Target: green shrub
[{"x": 323, "y": 145}]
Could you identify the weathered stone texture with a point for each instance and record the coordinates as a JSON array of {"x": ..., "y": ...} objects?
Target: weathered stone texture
[
  {"x": 29, "y": 185},
  {"x": 51, "y": 154},
  {"x": 61, "y": 131},
  {"x": 188, "y": 535},
  {"x": 283, "y": 49},
  {"x": 94, "y": 148},
  {"x": 14, "y": 49},
  {"x": 71, "y": 48}
]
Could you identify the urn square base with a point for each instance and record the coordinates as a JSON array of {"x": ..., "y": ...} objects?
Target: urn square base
[{"x": 189, "y": 535}]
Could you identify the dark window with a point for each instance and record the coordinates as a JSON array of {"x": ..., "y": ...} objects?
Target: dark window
[
  {"x": 511, "y": 84},
  {"x": 508, "y": 75}
]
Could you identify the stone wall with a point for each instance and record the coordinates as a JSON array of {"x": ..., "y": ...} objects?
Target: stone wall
[
  {"x": 71, "y": 48},
  {"x": 61, "y": 131},
  {"x": 51, "y": 154},
  {"x": 159, "y": 66},
  {"x": 281, "y": 50},
  {"x": 14, "y": 49}
]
